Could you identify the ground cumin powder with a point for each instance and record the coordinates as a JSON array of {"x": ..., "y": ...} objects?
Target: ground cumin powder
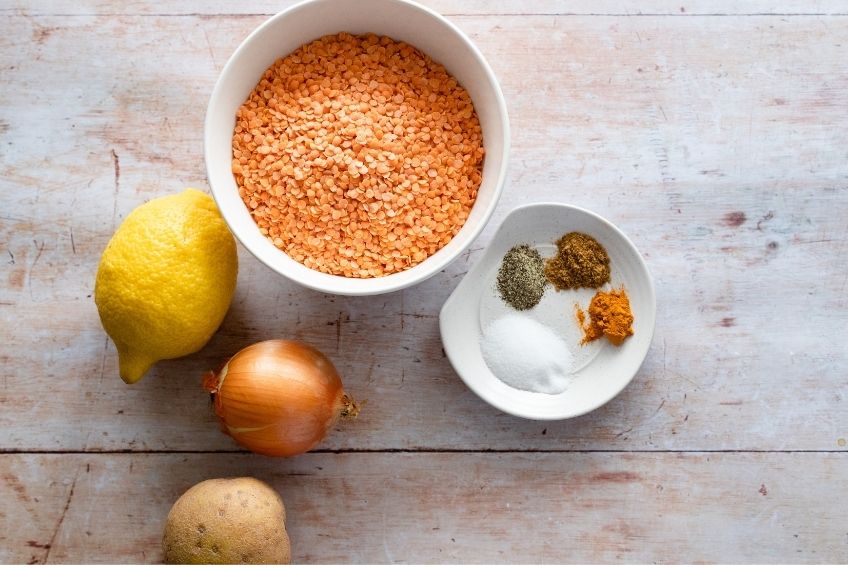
[
  {"x": 580, "y": 261},
  {"x": 609, "y": 315},
  {"x": 358, "y": 155}
]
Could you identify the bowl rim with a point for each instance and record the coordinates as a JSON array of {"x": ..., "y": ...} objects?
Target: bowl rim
[
  {"x": 506, "y": 407},
  {"x": 376, "y": 285}
]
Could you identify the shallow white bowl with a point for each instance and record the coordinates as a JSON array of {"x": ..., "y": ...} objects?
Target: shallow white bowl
[
  {"x": 606, "y": 371},
  {"x": 305, "y": 22}
]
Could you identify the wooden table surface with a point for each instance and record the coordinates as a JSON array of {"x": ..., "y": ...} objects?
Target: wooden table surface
[{"x": 715, "y": 134}]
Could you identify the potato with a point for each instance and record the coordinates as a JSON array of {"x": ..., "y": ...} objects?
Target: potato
[{"x": 239, "y": 520}]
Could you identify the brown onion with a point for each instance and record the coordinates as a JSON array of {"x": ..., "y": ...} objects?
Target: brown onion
[{"x": 278, "y": 397}]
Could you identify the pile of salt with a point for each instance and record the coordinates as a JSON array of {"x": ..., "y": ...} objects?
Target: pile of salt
[{"x": 526, "y": 354}]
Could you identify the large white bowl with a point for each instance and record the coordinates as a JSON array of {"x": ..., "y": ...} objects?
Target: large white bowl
[
  {"x": 607, "y": 370},
  {"x": 305, "y": 22}
]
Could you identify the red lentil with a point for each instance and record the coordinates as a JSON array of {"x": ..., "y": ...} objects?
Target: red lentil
[{"x": 358, "y": 155}]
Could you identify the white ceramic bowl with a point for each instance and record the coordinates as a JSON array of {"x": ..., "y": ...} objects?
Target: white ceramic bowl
[
  {"x": 305, "y": 22},
  {"x": 604, "y": 370}
]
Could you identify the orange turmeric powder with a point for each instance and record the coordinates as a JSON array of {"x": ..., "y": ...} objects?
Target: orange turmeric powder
[{"x": 609, "y": 315}]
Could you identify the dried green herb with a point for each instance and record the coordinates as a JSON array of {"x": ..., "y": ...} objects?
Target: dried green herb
[
  {"x": 521, "y": 278},
  {"x": 580, "y": 261}
]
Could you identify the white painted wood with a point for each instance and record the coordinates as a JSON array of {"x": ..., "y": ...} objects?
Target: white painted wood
[
  {"x": 427, "y": 508},
  {"x": 675, "y": 129},
  {"x": 451, "y": 7},
  {"x": 716, "y": 141}
]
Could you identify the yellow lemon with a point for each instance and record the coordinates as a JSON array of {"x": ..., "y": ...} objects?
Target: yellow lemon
[{"x": 166, "y": 280}]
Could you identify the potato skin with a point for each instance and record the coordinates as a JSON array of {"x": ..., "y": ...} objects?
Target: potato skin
[{"x": 237, "y": 520}]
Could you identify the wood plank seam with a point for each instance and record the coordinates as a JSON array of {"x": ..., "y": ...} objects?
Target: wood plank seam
[
  {"x": 11, "y": 13},
  {"x": 422, "y": 451}
]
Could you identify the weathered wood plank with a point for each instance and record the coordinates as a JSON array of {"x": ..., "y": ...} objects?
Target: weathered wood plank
[
  {"x": 450, "y": 7},
  {"x": 717, "y": 143},
  {"x": 421, "y": 508}
]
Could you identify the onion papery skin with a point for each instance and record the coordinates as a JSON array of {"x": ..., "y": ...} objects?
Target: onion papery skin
[{"x": 277, "y": 397}]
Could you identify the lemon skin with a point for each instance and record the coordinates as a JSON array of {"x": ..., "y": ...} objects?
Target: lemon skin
[{"x": 166, "y": 280}]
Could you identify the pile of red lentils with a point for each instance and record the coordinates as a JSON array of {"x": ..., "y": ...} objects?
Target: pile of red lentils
[{"x": 358, "y": 155}]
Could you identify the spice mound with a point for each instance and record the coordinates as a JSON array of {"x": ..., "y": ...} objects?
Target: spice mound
[
  {"x": 521, "y": 278},
  {"x": 580, "y": 261},
  {"x": 527, "y": 355},
  {"x": 358, "y": 155},
  {"x": 609, "y": 315}
]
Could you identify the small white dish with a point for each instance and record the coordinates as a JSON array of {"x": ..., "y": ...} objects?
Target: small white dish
[{"x": 602, "y": 370}]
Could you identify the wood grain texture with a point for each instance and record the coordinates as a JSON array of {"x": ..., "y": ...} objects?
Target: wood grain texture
[
  {"x": 448, "y": 7},
  {"x": 715, "y": 134},
  {"x": 425, "y": 508},
  {"x": 725, "y": 165}
]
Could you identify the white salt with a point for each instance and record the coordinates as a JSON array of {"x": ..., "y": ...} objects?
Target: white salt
[{"x": 526, "y": 354}]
